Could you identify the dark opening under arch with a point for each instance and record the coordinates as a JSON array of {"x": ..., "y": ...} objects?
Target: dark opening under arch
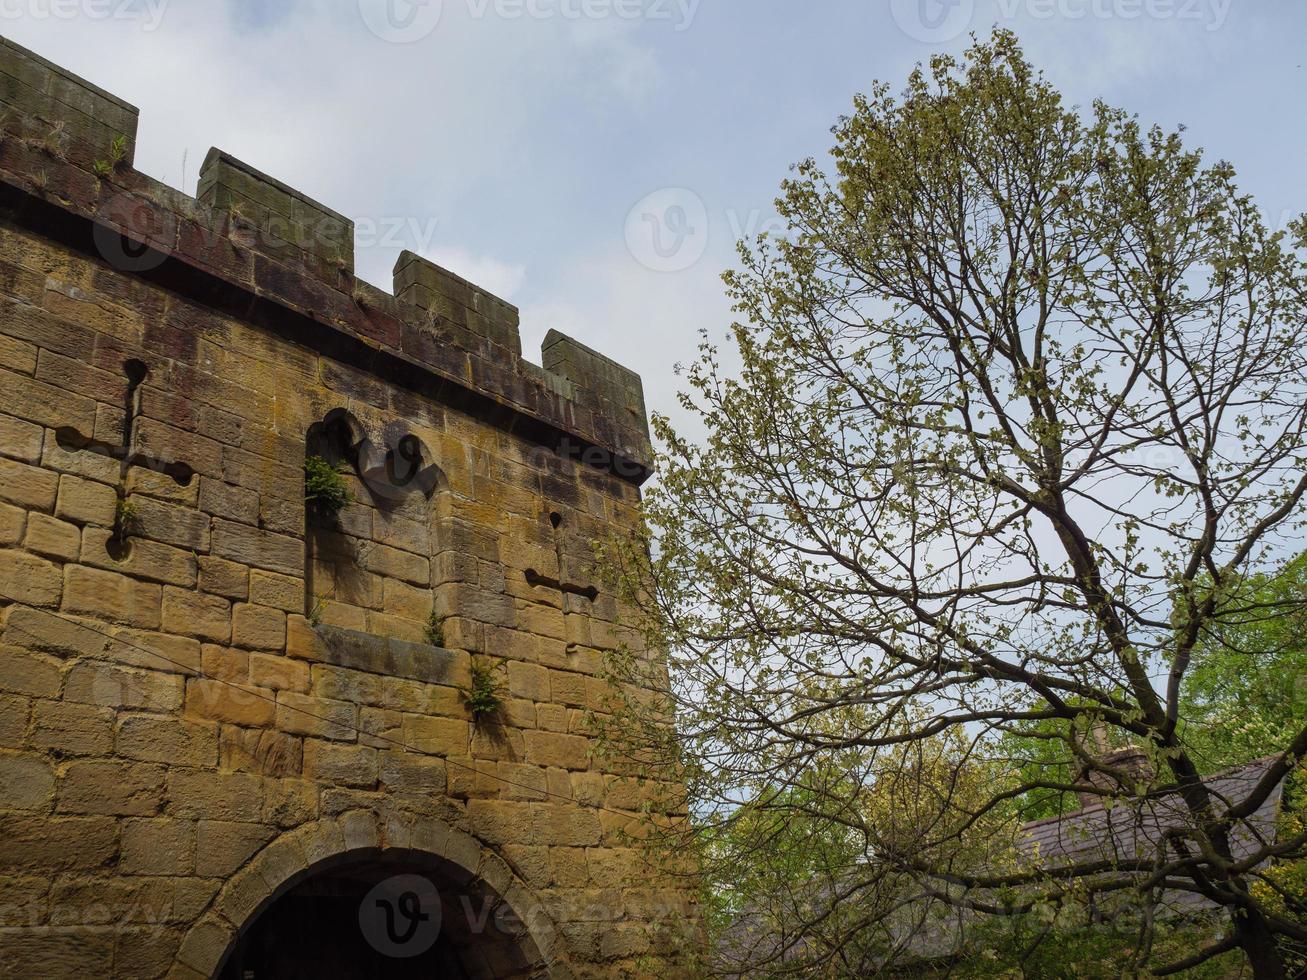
[{"x": 395, "y": 914}]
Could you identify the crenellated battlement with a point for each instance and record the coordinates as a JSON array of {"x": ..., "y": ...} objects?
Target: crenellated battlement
[{"x": 69, "y": 145}]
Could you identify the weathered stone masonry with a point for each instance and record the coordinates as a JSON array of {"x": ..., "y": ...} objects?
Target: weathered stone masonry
[{"x": 205, "y": 699}]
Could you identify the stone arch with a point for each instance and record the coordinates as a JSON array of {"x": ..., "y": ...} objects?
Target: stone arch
[{"x": 298, "y": 855}]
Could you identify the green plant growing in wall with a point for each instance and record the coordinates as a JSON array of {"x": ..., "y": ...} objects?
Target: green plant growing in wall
[
  {"x": 317, "y": 610},
  {"x": 117, "y": 154},
  {"x": 325, "y": 491},
  {"x": 483, "y": 697},
  {"x": 125, "y": 517},
  {"x": 55, "y": 143},
  {"x": 435, "y": 631}
]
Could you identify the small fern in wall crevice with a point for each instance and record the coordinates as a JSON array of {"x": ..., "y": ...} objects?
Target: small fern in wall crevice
[
  {"x": 326, "y": 493},
  {"x": 483, "y": 698},
  {"x": 435, "y": 631}
]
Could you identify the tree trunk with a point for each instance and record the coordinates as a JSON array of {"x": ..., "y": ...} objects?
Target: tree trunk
[{"x": 1258, "y": 944}]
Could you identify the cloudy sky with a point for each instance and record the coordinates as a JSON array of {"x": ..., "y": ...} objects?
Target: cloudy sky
[{"x": 593, "y": 161}]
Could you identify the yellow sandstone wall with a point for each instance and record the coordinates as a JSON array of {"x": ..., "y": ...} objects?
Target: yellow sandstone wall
[{"x": 202, "y": 694}]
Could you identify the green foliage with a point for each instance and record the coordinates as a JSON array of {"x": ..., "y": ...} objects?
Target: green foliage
[
  {"x": 326, "y": 492},
  {"x": 317, "y": 610},
  {"x": 1062, "y": 943},
  {"x": 435, "y": 630},
  {"x": 1247, "y": 691},
  {"x": 117, "y": 154},
  {"x": 483, "y": 697},
  {"x": 126, "y": 516},
  {"x": 988, "y": 466}
]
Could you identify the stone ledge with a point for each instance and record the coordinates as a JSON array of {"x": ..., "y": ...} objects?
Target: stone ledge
[{"x": 341, "y": 647}]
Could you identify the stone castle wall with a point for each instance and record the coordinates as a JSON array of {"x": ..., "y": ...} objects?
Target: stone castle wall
[{"x": 205, "y": 694}]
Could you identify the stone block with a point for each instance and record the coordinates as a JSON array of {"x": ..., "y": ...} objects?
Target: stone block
[
  {"x": 347, "y": 765},
  {"x": 36, "y": 629},
  {"x": 259, "y": 549},
  {"x": 86, "y": 502},
  {"x": 278, "y": 591},
  {"x": 500, "y": 822},
  {"x": 107, "y": 595},
  {"x": 230, "y": 797},
  {"x": 552, "y": 717},
  {"x": 224, "y": 701},
  {"x": 230, "y": 502},
  {"x": 20, "y": 440},
  {"x": 169, "y": 740},
  {"x": 523, "y": 783},
  {"x": 14, "y": 713},
  {"x": 408, "y": 772},
  {"x": 202, "y": 950},
  {"x": 529, "y": 681},
  {"x": 221, "y": 847},
  {"x": 473, "y": 778},
  {"x": 342, "y": 684},
  {"x": 30, "y": 488},
  {"x": 168, "y": 443},
  {"x": 437, "y": 736},
  {"x": 181, "y": 527},
  {"x": 111, "y": 787},
  {"x": 13, "y": 524},
  {"x": 290, "y": 802},
  {"x": 158, "y": 847},
  {"x": 406, "y": 601},
  {"x": 301, "y": 714},
  {"x": 195, "y": 614},
  {"x": 568, "y": 826},
  {"x": 392, "y": 563},
  {"x": 154, "y": 651},
  {"x": 30, "y": 580},
  {"x": 423, "y": 699},
  {"x": 111, "y": 685},
  {"x": 225, "y": 578},
  {"x": 29, "y": 673},
  {"x": 258, "y": 627},
  {"x": 52, "y": 538},
  {"x": 71, "y": 729},
  {"x": 266, "y": 753},
  {"x": 32, "y": 842},
  {"x": 279, "y": 673},
  {"x": 552, "y": 749},
  {"x": 144, "y": 559},
  {"x": 26, "y": 783},
  {"x": 152, "y": 483}
]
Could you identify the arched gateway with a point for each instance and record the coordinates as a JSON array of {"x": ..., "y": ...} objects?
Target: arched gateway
[
  {"x": 319, "y": 903},
  {"x": 360, "y": 897}
]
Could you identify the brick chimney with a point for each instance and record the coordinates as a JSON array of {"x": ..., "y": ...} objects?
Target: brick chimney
[{"x": 1116, "y": 772}]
